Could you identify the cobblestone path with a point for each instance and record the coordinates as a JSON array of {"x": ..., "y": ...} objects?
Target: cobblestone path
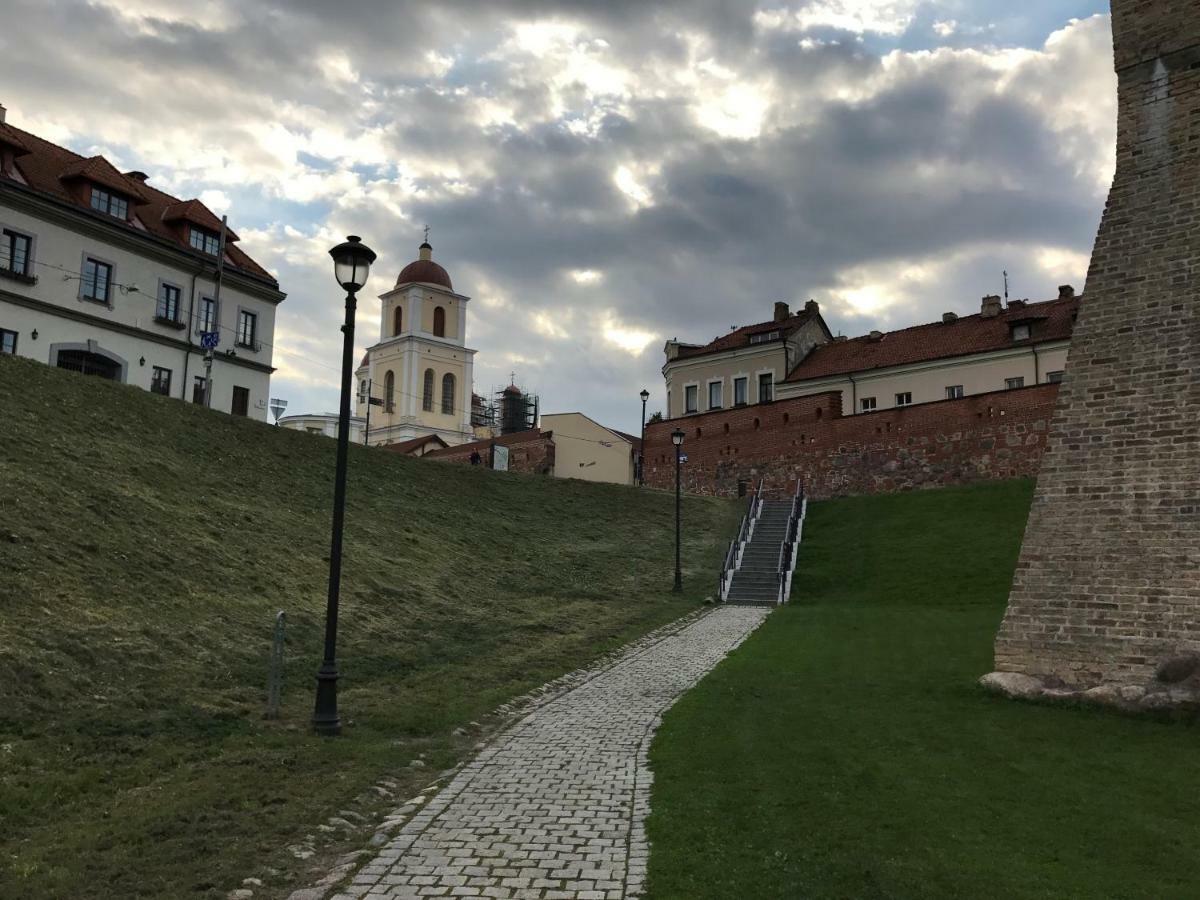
[{"x": 555, "y": 806}]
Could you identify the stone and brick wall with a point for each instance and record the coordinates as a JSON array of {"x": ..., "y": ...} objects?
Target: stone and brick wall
[
  {"x": 995, "y": 435},
  {"x": 1108, "y": 583},
  {"x": 530, "y": 452}
]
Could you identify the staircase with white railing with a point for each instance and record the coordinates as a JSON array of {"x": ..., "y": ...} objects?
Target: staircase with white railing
[{"x": 759, "y": 566}]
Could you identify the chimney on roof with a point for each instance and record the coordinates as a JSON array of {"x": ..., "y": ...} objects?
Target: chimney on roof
[
  {"x": 841, "y": 337},
  {"x": 3, "y": 112},
  {"x": 1065, "y": 291},
  {"x": 812, "y": 307},
  {"x": 876, "y": 336},
  {"x": 781, "y": 311},
  {"x": 991, "y": 306},
  {"x": 672, "y": 349},
  {"x": 138, "y": 176},
  {"x": 949, "y": 318}
]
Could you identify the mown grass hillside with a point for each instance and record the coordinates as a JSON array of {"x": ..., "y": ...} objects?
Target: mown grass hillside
[
  {"x": 145, "y": 547},
  {"x": 846, "y": 750}
]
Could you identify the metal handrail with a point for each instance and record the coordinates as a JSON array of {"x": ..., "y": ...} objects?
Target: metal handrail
[
  {"x": 731, "y": 555},
  {"x": 785, "y": 546}
]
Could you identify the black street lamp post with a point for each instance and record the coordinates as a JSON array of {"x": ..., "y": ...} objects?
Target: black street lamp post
[
  {"x": 677, "y": 440},
  {"x": 351, "y": 265},
  {"x": 645, "y": 395}
]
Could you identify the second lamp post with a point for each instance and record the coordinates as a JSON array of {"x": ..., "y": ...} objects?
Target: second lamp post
[
  {"x": 641, "y": 467},
  {"x": 677, "y": 440},
  {"x": 351, "y": 265}
]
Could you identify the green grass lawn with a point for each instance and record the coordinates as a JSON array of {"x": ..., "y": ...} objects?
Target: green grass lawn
[
  {"x": 845, "y": 750},
  {"x": 145, "y": 546}
]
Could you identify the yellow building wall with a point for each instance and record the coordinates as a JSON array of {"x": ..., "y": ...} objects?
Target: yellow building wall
[
  {"x": 588, "y": 451},
  {"x": 724, "y": 366},
  {"x": 927, "y": 382},
  {"x": 429, "y": 303}
]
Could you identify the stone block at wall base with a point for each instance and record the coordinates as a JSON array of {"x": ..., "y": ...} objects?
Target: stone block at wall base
[{"x": 1168, "y": 692}]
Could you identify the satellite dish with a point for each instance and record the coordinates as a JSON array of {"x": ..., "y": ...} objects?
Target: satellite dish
[{"x": 277, "y": 408}]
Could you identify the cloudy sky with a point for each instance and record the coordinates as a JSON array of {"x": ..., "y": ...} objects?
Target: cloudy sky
[{"x": 600, "y": 176}]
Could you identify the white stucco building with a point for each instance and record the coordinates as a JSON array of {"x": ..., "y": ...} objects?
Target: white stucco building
[
  {"x": 102, "y": 273},
  {"x": 324, "y": 424}
]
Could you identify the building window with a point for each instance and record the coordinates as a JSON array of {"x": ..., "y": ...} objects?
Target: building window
[
  {"x": 690, "y": 398},
  {"x": 198, "y": 390},
  {"x": 1010, "y": 383},
  {"x": 764, "y": 338},
  {"x": 448, "y": 394},
  {"x": 8, "y": 342},
  {"x": 247, "y": 329},
  {"x": 389, "y": 391},
  {"x": 111, "y": 204},
  {"x": 867, "y": 404},
  {"x": 204, "y": 241},
  {"x": 766, "y": 385},
  {"x": 740, "y": 388},
  {"x": 160, "y": 383},
  {"x": 954, "y": 392},
  {"x": 439, "y": 322},
  {"x": 714, "y": 394},
  {"x": 398, "y": 320},
  {"x": 168, "y": 303},
  {"x": 1020, "y": 332},
  {"x": 14, "y": 252},
  {"x": 427, "y": 392},
  {"x": 241, "y": 401},
  {"x": 904, "y": 398},
  {"x": 97, "y": 280},
  {"x": 208, "y": 314},
  {"x": 1054, "y": 377}
]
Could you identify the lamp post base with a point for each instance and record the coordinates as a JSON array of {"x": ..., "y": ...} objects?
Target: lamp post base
[{"x": 325, "y": 714}]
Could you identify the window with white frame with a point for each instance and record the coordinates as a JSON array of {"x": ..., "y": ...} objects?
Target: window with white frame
[
  {"x": 1011, "y": 383},
  {"x": 866, "y": 404},
  {"x": 208, "y": 314},
  {"x": 1054, "y": 377},
  {"x": 714, "y": 394},
  {"x": 8, "y": 342},
  {"x": 954, "y": 392},
  {"x": 1020, "y": 331},
  {"x": 97, "y": 280},
  {"x": 740, "y": 391},
  {"x": 904, "y": 398},
  {"x": 691, "y": 398},
  {"x": 14, "y": 252},
  {"x": 204, "y": 241},
  {"x": 168, "y": 303},
  {"x": 247, "y": 329},
  {"x": 766, "y": 386},
  {"x": 109, "y": 203},
  {"x": 764, "y": 338}
]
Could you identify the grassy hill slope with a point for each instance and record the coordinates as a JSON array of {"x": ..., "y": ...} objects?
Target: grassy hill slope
[{"x": 145, "y": 547}]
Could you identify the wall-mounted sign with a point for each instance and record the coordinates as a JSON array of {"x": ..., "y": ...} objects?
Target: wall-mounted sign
[{"x": 500, "y": 458}]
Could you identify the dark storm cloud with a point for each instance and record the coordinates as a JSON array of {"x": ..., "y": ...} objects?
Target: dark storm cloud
[{"x": 955, "y": 165}]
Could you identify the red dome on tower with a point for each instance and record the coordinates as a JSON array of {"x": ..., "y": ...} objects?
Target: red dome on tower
[{"x": 425, "y": 270}]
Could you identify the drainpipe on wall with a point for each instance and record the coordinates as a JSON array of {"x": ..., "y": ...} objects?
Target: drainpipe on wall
[
  {"x": 1037, "y": 372},
  {"x": 187, "y": 354},
  {"x": 853, "y": 396}
]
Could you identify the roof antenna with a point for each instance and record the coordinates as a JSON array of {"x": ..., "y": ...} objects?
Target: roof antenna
[{"x": 1006, "y": 287}]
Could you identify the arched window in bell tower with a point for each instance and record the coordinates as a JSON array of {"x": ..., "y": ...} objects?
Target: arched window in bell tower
[
  {"x": 389, "y": 391},
  {"x": 398, "y": 320},
  {"x": 448, "y": 394},
  {"x": 427, "y": 392},
  {"x": 439, "y": 322}
]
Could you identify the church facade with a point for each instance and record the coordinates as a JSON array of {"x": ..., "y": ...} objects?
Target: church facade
[{"x": 416, "y": 381}]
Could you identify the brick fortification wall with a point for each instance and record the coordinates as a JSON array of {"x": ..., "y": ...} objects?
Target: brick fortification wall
[
  {"x": 1108, "y": 583},
  {"x": 529, "y": 452},
  {"x": 996, "y": 435}
]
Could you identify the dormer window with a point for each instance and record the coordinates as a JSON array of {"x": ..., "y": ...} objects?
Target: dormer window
[
  {"x": 110, "y": 204},
  {"x": 1020, "y": 331},
  {"x": 763, "y": 338},
  {"x": 204, "y": 241}
]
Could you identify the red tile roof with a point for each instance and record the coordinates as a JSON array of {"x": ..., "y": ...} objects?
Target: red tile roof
[
  {"x": 424, "y": 271},
  {"x": 48, "y": 168},
  {"x": 415, "y": 444},
  {"x": 198, "y": 214},
  {"x": 740, "y": 337},
  {"x": 1052, "y": 320}
]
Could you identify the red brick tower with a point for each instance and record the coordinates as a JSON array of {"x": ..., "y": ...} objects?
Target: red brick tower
[{"x": 1108, "y": 584}]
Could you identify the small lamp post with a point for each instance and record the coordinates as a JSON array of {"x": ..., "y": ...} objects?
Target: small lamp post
[
  {"x": 645, "y": 395},
  {"x": 351, "y": 265},
  {"x": 677, "y": 440}
]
